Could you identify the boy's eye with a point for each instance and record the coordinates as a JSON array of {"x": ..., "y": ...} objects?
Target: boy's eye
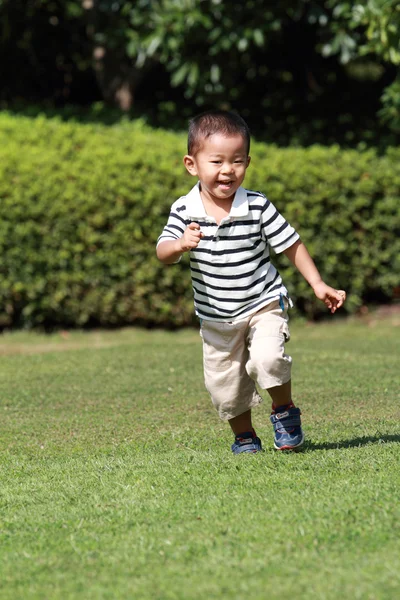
[{"x": 238, "y": 161}]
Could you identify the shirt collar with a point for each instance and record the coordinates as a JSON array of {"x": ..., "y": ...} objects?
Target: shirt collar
[{"x": 195, "y": 206}]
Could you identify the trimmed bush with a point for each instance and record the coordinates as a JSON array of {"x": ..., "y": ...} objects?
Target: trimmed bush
[{"x": 81, "y": 207}]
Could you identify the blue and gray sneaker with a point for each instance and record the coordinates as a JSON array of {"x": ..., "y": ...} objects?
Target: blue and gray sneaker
[
  {"x": 287, "y": 428},
  {"x": 246, "y": 442}
]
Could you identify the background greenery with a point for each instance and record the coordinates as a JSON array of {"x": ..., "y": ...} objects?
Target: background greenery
[
  {"x": 82, "y": 206},
  {"x": 300, "y": 71},
  {"x": 116, "y": 478}
]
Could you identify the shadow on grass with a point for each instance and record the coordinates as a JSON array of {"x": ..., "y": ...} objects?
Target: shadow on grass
[{"x": 354, "y": 443}]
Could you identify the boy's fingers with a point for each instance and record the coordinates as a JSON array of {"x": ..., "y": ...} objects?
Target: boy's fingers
[
  {"x": 195, "y": 229},
  {"x": 339, "y": 297},
  {"x": 194, "y": 226}
]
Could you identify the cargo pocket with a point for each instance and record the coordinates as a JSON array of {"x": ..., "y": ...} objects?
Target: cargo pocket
[
  {"x": 286, "y": 332},
  {"x": 216, "y": 351}
]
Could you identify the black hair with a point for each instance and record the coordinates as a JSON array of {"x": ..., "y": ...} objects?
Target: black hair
[{"x": 215, "y": 121}]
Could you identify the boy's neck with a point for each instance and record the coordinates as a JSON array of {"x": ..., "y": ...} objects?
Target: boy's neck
[{"x": 218, "y": 208}]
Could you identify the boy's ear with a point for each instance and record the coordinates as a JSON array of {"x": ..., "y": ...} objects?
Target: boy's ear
[
  {"x": 190, "y": 164},
  {"x": 248, "y": 161}
]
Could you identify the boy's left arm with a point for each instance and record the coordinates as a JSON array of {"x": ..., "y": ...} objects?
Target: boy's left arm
[{"x": 300, "y": 257}]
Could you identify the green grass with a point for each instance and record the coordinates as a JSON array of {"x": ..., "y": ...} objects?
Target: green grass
[{"x": 117, "y": 481}]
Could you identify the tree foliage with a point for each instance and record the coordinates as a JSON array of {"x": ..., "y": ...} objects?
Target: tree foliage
[
  {"x": 301, "y": 63},
  {"x": 370, "y": 29},
  {"x": 44, "y": 51}
]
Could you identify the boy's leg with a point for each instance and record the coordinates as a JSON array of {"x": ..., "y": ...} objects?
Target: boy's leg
[
  {"x": 246, "y": 439},
  {"x": 271, "y": 368},
  {"x": 241, "y": 423},
  {"x": 281, "y": 395},
  {"x": 232, "y": 391}
]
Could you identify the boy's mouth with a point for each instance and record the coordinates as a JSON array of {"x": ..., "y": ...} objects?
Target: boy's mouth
[{"x": 225, "y": 184}]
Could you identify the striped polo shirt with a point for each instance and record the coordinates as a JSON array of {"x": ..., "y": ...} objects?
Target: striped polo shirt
[{"x": 232, "y": 275}]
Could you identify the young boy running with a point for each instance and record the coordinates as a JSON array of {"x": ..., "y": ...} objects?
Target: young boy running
[{"x": 239, "y": 296}]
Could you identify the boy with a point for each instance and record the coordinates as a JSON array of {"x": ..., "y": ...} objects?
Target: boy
[{"x": 239, "y": 296}]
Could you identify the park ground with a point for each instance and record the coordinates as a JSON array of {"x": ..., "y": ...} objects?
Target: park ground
[{"x": 117, "y": 481}]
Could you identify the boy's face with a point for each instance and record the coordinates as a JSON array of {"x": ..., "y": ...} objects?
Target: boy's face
[{"x": 221, "y": 165}]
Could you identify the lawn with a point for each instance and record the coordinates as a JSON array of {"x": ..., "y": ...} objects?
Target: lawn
[{"x": 117, "y": 481}]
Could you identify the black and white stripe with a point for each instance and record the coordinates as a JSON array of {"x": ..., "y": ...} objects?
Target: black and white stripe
[{"x": 232, "y": 275}]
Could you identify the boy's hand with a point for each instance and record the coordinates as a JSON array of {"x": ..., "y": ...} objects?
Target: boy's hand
[
  {"x": 191, "y": 237},
  {"x": 333, "y": 299}
]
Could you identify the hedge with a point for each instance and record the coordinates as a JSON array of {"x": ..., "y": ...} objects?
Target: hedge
[{"x": 81, "y": 207}]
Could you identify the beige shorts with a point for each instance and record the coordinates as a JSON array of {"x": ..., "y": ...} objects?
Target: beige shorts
[{"x": 239, "y": 354}]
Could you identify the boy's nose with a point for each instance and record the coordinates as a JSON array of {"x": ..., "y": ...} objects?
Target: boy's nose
[{"x": 227, "y": 168}]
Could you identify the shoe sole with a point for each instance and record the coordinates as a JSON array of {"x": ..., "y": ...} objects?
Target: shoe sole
[{"x": 291, "y": 448}]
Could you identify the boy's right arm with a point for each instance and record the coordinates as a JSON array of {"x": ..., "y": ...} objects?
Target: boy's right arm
[{"x": 170, "y": 251}]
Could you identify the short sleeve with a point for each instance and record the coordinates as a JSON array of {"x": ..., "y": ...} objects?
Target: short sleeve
[
  {"x": 176, "y": 224},
  {"x": 276, "y": 231}
]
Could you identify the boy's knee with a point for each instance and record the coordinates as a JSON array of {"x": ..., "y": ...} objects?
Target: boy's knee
[
  {"x": 270, "y": 368},
  {"x": 231, "y": 393}
]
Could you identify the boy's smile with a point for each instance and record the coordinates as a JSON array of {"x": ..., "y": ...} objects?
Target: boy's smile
[{"x": 220, "y": 165}]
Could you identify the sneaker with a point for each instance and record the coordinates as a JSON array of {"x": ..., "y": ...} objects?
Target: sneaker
[
  {"x": 287, "y": 428},
  {"x": 246, "y": 442}
]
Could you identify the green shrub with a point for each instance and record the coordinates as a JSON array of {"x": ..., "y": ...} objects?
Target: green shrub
[{"x": 81, "y": 207}]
